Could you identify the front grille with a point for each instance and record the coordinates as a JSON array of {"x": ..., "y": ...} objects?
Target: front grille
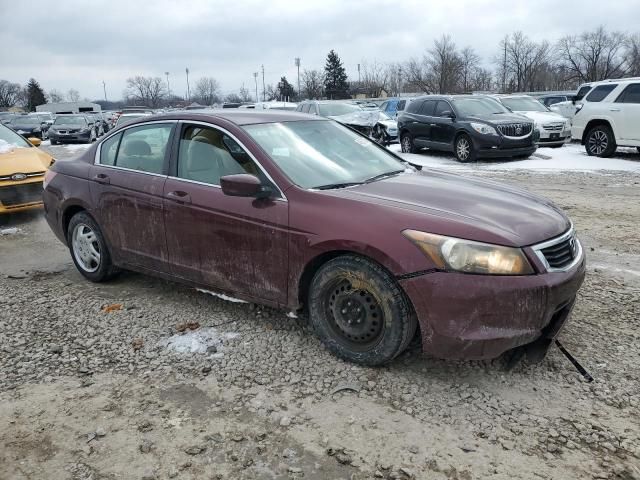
[
  {"x": 515, "y": 129},
  {"x": 21, "y": 194},
  {"x": 553, "y": 127},
  {"x": 29, "y": 175},
  {"x": 561, "y": 254}
]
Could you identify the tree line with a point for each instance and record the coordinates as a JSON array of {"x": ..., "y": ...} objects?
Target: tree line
[{"x": 519, "y": 64}]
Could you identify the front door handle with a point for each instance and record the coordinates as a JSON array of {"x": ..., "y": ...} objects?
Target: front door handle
[
  {"x": 102, "y": 178},
  {"x": 179, "y": 196},
  {"x": 615, "y": 109},
  {"x": 432, "y": 124}
]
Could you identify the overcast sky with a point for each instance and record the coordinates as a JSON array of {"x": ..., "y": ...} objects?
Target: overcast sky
[{"x": 78, "y": 44}]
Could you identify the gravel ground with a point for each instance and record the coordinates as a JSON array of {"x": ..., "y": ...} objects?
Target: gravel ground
[{"x": 142, "y": 378}]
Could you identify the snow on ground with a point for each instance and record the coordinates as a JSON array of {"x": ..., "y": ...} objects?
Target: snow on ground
[
  {"x": 202, "y": 340},
  {"x": 10, "y": 231},
  {"x": 221, "y": 295},
  {"x": 569, "y": 158}
]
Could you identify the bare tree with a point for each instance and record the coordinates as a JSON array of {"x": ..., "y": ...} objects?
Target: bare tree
[
  {"x": 55, "y": 96},
  {"x": 525, "y": 60},
  {"x": 245, "y": 95},
  {"x": 593, "y": 56},
  {"x": 233, "y": 98},
  {"x": 632, "y": 54},
  {"x": 446, "y": 65},
  {"x": 418, "y": 76},
  {"x": 10, "y": 93},
  {"x": 207, "y": 90},
  {"x": 469, "y": 68},
  {"x": 73, "y": 95},
  {"x": 312, "y": 84},
  {"x": 148, "y": 91},
  {"x": 374, "y": 78}
]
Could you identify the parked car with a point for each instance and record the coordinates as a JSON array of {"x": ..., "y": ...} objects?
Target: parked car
[
  {"x": 568, "y": 108},
  {"x": 72, "y": 128},
  {"x": 609, "y": 116},
  {"x": 300, "y": 212},
  {"x": 22, "y": 169},
  {"x": 395, "y": 106},
  {"x": 29, "y": 126},
  {"x": 548, "y": 100},
  {"x": 553, "y": 129},
  {"x": 129, "y": 117},
  {"x": 470, "y": 126},
  {"x": 5, "y": 117},
  {"x": 101, "y": 124},
  {"x": 385, "y": 131}
]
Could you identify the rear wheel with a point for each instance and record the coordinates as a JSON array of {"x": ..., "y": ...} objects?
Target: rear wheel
[
  {"x": 406, "y": 143},
  {"x": 88, "y": 248},
  {"x": 359, "y": 311},
  {"x": 464, "y": 149},
  {"x": 600, "y": 141}
]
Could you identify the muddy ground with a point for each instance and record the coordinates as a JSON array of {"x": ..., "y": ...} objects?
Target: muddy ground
[{"x": 91, "y": 394}]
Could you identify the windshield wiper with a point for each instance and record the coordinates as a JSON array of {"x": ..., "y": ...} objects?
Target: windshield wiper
[
  {"x": 330, "y": 186},
  {"x": 383, "y": 175}
]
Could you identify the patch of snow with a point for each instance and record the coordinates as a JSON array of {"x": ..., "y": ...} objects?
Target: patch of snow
[
  {"x": 45, "y": 143},
  {"x": 10, "y": 231},
  {"x": 221, "y": 295},
  {"x": 75, "y": 146},
  {"x": 6, "y": 147},
  {"x": 198, "y": 341},
  {"x": 292, "y": 315},
  {"x": 616, "y": 269}
]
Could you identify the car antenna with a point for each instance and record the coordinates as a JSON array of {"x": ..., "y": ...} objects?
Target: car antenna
[{"x": 575, "y": 363}]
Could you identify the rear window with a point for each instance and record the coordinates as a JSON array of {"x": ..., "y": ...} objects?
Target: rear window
[{"x": 600, "y": 92}]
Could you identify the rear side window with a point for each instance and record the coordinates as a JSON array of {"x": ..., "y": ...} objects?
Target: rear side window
[
  {"x": 305, "y": 108},
  {"x": 631, "y": 94},
  {"x": 143, "y": 148},
  {"x": 600, "y": 92},
  {"x": 109, "y": 150},
  {"x": 428, "y": 107}
]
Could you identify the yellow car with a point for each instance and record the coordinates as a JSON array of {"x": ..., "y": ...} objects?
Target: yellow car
[{"x": 22, "y": 169}]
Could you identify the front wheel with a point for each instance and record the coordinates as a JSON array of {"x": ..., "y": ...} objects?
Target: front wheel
[
  {"x": 406, "y": 143},
  {"x": 600, "y": 142},
  {"x": 88, "y": 248},
  {"x": 54, "y": 142},
  {"x": 464, "y": 149},
  {"x": 359, "y": 312}
]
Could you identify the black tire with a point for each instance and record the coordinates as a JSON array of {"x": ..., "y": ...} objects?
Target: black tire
[
  {"x": 638, "y": 148},
  {"x": 54, "y": 142},
  {"x": 359, "y": 312},
  {"x": 600, "y": 142},
  {"x": 105, "y": 270},
  {"x": 464, "y": 149},
  {"x": 406, "y": 143}
]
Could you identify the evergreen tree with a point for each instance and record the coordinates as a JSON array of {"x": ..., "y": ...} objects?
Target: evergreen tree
[
  {"x": 335, "y": 82},
  {"x": 35, "y": 95},
  {"x": 285, "y": 89}
]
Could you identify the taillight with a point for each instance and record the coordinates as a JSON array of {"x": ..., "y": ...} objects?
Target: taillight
[{"x": 48, "y": 176}]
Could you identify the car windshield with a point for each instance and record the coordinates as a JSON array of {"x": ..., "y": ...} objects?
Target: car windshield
[
  {"x": 323, "y": 153},
  {"x": 8, "y": 136},
  {"x": 70, "y": 121},
  {"x": 478, "y": 106},
  {"x": 523, "y": 104},
  {"x": 384, "y": 116},
  {"x": 25, "y": 121},
  {"x": 335, "y": 109}
]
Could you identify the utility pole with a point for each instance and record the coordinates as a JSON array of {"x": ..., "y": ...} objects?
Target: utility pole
[
  {"x": 168, "y": 86},
  {"x": 255, "y": 78},
  {"x": 504, "y": 68},
  {"x": 399, "y": 80},
  {"x": 263, "y": 89},
  {"x": 358, "y": 75},
  {"x": 188, "y": 89},
  {"x": 104, "y": 87},
  {"x": 297, "y": 62}
]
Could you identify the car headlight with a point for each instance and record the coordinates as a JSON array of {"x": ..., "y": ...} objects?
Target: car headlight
[
  {"x": 467, "y": 256},
  {"x": 483, "y": 128}
]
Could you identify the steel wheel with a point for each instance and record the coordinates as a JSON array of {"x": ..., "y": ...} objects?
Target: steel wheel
[
  {"x": 356, "y": 316},
  {"x": 86, "y": 248},
  {"x": 598, "y": 142}
]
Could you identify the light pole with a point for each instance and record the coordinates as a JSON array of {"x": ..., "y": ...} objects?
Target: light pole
[
  {"x": 168, "y": 86},
  {"x": 358, "y": 75},
  {"x": 255, "y": 78},
  {"x": 188, "y": 90},
  {"x": 104, "y": 87},
  {"x": 297, "y": 62},
  {"x": 263, "y": 89}
]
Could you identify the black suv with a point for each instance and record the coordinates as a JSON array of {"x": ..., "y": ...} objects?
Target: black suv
[{"x": 471, "y": 126}]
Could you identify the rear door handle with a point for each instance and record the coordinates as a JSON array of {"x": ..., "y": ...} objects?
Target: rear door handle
[
  {"x": 179, "y": 196},
  {"x": 102, "y": 178}
]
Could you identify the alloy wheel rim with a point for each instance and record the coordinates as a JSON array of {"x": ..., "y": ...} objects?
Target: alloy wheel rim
[
  {"x": 598, "y": 142},
  {"x": 406, "y": 144},
  {"x": 463, "y": 149},
  {"x": 86, "y": 248}
]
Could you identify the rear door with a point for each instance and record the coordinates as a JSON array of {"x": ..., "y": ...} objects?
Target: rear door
[
  {"x": 627, "y": 106},
  {"x": 235, "y": 244},
  {"x": 424, "y": 121},
  {"x": 127, "y": 184},
  {"x": 442, "y": 125}
]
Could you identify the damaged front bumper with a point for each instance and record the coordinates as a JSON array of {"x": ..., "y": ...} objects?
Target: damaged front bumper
[{"x": 476, "y": 317}]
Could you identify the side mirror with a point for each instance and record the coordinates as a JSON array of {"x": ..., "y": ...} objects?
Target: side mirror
[
  {"x": 244, "y": 185},
  {"x": 34, "y": 141},
  {"x": 448, "y": 114}
]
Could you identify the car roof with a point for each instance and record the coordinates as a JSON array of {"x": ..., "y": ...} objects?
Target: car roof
[{"x": 240, "y": 116}]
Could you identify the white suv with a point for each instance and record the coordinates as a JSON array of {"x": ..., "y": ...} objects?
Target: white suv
[{"x": 609, "y": 116}]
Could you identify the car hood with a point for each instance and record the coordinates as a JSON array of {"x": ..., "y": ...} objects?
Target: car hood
[
  {"x": 543, "y": 117},
  {"x": 498, "y": 118},
  {"x": 65, "y": 126},
  {"x": 26, "y": 128},
  {"x": 470, "y": 208},
  {"x": 364, "y": 118},
  {"x": 22, "y": 160}
]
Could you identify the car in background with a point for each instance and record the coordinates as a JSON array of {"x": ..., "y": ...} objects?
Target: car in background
[
  {"x": 100, "y": 122},
  {"x": 71, "y": 129},
  {"x": 29, "y": 126},
  {"x": 609, "y": 117},
  {"x": 394, "y": 106},
  {"x": 326, "y": 222},
  {"x": 385, "y": 131},
  {"x": 568, "y": 108},
  {"x": 22, "y": 169},
  {"x": 470, "y": 126},
  {"x": 5, "y": 117},
  {"x": 548, "y": 100},
  {"x": 129, "y": 117},
  {"x": 553, "y": 129}
]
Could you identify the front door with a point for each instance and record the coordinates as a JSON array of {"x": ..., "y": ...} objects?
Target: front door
[
  {"x": 442, "y": 128},
  {"x": 127, "y": 186},
  {"x": 235, "y": 244}
]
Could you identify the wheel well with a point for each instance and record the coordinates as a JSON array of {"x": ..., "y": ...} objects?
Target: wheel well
[
  {"x": 68, "y": 215},
  {"x": 592, "y": 124},
  {"x": 310, "y": 270}
]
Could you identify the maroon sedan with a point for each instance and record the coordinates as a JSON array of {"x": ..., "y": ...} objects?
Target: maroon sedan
[{"x": 300, "y": 212}]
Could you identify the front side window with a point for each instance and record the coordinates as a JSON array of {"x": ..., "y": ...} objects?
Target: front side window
[
  {"x": 441, "y": 108},
  {"x": 582, "y": 92},
  {"x": 631, "y": 94},
  {"x": 600, "y": 92},
  {"x": 428, "y": 107},
  {"x": 143, "y": 148},
  {"x": 206, "y": 154},
  {"x": 316, "y": 153}
]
